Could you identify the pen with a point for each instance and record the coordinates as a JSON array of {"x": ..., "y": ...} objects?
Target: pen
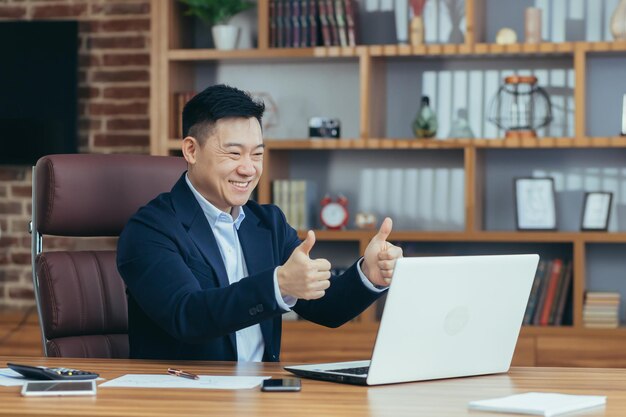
[{"x": 181, "y": 373}]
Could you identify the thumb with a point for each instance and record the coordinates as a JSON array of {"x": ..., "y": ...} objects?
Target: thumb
[
  {"x": 306, "y": 246},
  {"x": 385, "y": 229}
]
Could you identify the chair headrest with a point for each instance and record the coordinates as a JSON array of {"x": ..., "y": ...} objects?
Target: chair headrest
[{"x": 96, "y": 194}]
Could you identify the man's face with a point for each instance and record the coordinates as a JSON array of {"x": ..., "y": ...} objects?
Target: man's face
[{"x": 227, "y": 167}]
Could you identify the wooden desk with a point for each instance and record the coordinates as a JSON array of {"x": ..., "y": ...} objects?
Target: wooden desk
[{"x": 434, "y": 398}]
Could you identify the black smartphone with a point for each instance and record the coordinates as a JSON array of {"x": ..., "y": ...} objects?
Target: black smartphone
[{"x": 277, "y": 385}]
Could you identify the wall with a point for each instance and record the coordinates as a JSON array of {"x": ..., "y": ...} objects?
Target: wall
[{"x": 114, "y": 92}]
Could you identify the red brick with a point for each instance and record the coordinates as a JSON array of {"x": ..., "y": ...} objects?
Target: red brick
[
  {"x": 21, "y": 293},
  {"x": 119, "y": 60},
  {"x": 128, "y": 124},
  {"x": 125, "y": 25},
  {"x": 12, "y": 173},
  {"x": 59, "y": 10},
  {"x": 21, "y": 191},
  {"x": 9, "y": 275},
  {"x": 21, "y": 258},
  {"x": 116, "y": 42},
  {"x": 127, "y": 92},
  {"x": 3, "y": 191},
  {"x": 83, "y": 142},
  {"x": 120, "y": 76},
  {"x": 88, "y": 92},
  {"x": 12, "y": 12},
  {"x": 88, "y": 60},
  {"x": 10, "y": 207},
  {"x": 121, "y": 140},
  {"x": 8, "y": 241},
  {"x": 82, "y": 76},
  {"x": 19, "y": 226},
  {"x": 126, "y": 8},
  {"x": 89, "y": 124},
  {"x": 111, "y": 109}
]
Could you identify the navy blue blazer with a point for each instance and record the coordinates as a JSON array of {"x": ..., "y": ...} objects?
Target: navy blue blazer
[{"x": 180, "y": 303}]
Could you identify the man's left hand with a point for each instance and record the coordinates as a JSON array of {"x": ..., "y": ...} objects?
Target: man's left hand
[{"x": 380, "y": 256}]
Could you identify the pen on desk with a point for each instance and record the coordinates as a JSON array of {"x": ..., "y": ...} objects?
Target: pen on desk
[{"x": 181, "y": 373}]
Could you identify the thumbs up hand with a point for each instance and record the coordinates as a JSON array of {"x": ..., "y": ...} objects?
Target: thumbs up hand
[
  {"x": 380, "y": 256},
  {"x": 301, "y": 276}
]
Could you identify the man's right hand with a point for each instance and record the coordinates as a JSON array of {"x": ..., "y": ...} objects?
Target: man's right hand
[{"x": 301, "y": 276}]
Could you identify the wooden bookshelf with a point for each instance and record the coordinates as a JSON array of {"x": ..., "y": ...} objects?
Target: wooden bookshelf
[{"x": 175, "y": 68}]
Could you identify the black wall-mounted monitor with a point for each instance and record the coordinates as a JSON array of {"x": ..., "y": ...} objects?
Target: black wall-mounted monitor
[{"x": 38, "y": 90}]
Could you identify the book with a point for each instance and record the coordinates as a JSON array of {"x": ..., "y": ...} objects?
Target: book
[
  {"x": 534, "y": 292},
  {"x": 272, "y": 17},
  {"x": 539, "y": 403},
  {"x": 332, "y": 22},
  {"x": 557, "y": 292},
  {"x": 350, "y": 9},
  {"x": 565, "y": 294},
  {"x": 541, "y": 294},
  {"x": 557, "y": 266},
  {"x": 341, "y": 23},
  {"x": 313, "y": 23},
  {"x": 324, "y": 23},
  {"x": 295, "y": 23}
]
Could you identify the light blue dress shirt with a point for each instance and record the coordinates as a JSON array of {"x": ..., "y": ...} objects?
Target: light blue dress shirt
[{"x": 250, "y": 344}]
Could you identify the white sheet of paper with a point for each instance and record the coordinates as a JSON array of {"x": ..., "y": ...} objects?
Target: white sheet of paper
[
  {"x": 10, "y": 378},
  {"x": 169, "y": 381},
  {"x": 539, "y": 403}
]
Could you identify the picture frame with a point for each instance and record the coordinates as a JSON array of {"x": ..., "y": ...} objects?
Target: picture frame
[
  {"x": 535, "y": 203},
  {"x": 596, "y": 211}
]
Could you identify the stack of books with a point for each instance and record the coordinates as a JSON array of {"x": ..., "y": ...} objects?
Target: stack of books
[
  {"x": 309, "y": 23},
  {"x": 551, "y": 294},
  {"x": 601, "y": 310},
  {"x": 297, "y": 199}
]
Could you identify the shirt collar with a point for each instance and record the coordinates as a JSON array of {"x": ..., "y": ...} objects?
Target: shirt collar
[{"x": 212, "y": 213}]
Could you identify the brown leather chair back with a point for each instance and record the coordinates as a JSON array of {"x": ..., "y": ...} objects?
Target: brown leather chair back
[{"x": 80, "y": 296}]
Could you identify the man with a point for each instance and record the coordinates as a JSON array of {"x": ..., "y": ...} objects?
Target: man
[{"x": 209, "y": 273}]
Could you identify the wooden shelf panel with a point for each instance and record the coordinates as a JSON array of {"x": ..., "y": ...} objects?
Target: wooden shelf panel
[
  {"x": 546, "y": 48},
  {"x": 356, "y": 144},
  {"x": 462, "y": 143},
  {"x": 527, "y": 331},
  {"x": 508, "y": 236},
  {"x": 262, "y": 54}
]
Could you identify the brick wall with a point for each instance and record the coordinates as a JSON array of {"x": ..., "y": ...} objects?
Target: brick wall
[{"x": 114, "y": 91}]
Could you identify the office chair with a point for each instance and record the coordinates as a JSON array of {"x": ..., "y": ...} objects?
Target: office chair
[{"x": 80, "y": 296}]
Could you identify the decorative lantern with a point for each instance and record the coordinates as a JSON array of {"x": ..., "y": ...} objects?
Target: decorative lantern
[{"x": 520, "y": 107}]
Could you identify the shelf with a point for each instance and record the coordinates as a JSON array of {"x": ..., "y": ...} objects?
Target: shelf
[
  {"x": 365, "y": 144},
  {"x": 507, "y": 236},
  {"x": 260, "y": 54},
  {"x": 527, "y": 331},
  {"x": 480, "y": 49}
]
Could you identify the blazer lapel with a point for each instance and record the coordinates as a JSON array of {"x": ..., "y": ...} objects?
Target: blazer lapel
[
  {"x": 257, "y": 250},
  {"x": 192, "y": 217},
  {"x": 189, "y": 212}
]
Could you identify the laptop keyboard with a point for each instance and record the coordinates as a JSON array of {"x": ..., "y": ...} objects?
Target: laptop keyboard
[{"x": 352, "y": 371}]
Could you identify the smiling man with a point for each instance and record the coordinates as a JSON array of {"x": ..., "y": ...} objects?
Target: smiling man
[{"x": 209, "y": 272}]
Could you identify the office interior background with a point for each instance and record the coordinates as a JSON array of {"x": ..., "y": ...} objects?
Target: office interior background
[{"x": 138, "y": 61}]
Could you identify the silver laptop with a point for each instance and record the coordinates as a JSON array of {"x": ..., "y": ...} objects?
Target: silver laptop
[{"x": 444, "y": 317}]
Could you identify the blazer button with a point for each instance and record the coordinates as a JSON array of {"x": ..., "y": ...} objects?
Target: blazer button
[
  {"x": 259, "y": 308},
  {"x": 252, "y": 311}
]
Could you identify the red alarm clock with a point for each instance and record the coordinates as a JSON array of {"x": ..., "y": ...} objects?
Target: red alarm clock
[{"x": 334, "y": 213}]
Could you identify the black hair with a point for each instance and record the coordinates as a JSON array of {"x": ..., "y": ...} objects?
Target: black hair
[{"x": 217, "y": 102}]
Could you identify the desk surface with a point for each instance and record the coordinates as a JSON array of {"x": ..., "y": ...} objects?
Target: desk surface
[{"x": 433, "y": 398}]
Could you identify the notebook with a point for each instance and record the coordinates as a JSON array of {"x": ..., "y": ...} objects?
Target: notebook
[{"x": 444, "y": 317}]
